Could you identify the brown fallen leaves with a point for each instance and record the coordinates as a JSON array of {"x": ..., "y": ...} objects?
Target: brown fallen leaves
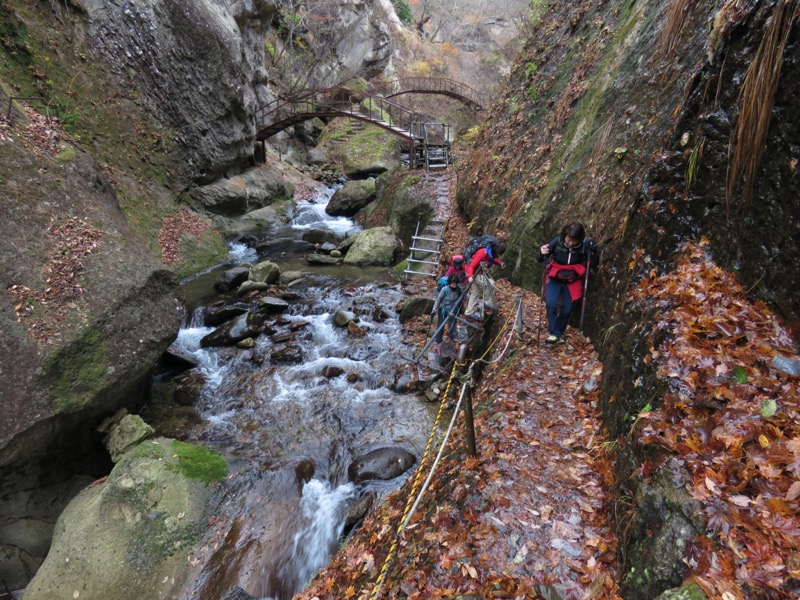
[
  {"x": 43, "y": 310},
  {"x": 733, "y": 420},
  {"x": 172, "y": 230}
]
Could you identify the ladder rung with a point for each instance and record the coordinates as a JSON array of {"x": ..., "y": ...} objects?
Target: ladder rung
[
  {"x": 425, "y": 262},
  {"x": 428, "y": 250},
  {"x": 427, "y": 239}
]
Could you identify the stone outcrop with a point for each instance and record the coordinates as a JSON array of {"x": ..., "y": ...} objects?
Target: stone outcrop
[
  {"x": 245, "y": 193},
  {"x": 130, "y": 536},
  {"x": 632, "y": 143},
  {"x": 351, "y": 197},
  {"x": 100, "y": 310}
]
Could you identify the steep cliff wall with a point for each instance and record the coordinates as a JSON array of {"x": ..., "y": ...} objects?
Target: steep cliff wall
[{"x": 642, "y": 119}]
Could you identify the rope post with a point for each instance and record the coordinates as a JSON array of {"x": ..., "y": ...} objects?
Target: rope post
[
  {"x": 519, "y": 317},
  {"x": 469, "y": 423}
]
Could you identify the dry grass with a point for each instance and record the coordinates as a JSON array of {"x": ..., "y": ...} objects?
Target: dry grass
[
  {"x": 603, "y": 134},
  {"x": 677, "y": 15},
  {"x": 757, "y": 98}
]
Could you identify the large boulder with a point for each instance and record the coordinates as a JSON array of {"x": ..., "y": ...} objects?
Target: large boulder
[
  {"x": 382, "y": 463},
  {"x": 242, "y": 194},
  {"x": 403, "y": 202},
  {"x": 129, "y": 537},
  {"x": 377, "y": 246},
  {"x": 351, "y": 197}
]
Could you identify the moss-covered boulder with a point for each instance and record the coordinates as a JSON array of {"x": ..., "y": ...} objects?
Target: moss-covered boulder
[
  {"x": 403, "y": 201},
  {"x": 351, "y": 197},
  {"x": 130, "y": 536},
  {"x": 378, "y": 246},
  {"x": 243, "y": 193}
]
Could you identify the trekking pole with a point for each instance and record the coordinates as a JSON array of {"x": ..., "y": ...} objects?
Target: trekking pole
[{"x": 585, "y": 289}]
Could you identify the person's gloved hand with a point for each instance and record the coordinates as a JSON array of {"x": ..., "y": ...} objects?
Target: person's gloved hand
[{"x": 502, "y": 264}]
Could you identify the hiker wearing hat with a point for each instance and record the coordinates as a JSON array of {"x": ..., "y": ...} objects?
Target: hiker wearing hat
[
  {"x": 569, "y": 256},
  {"x": 456, "y": 266},
  {"x": 448, "y": 305}
]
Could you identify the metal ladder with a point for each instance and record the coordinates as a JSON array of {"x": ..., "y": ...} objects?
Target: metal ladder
[{"x": 424, "y": 256}]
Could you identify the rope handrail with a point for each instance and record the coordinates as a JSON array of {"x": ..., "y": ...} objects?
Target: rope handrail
[{"x": 411, "y": 508}]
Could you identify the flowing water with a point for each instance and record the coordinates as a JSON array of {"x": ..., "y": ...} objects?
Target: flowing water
[{"x": 291, "y": 428}]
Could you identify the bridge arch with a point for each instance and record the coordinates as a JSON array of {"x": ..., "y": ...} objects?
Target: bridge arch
[{"x": 435, "y": 85}]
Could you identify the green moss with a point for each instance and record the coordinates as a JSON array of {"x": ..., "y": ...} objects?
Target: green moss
[
  {"x": 66, "y": 154},
  {"x": 199, "y": 463},
  {"x": 199, "y": 253}
]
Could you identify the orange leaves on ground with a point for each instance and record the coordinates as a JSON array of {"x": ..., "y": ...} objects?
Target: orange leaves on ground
[
  {"x": 172, "y": 230},
  {"x": 728, "y": 407}
]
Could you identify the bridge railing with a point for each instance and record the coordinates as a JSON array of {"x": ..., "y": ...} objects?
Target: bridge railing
[
  {"x": 440, "y": 85},
  {"x": 332, "y": 101}
]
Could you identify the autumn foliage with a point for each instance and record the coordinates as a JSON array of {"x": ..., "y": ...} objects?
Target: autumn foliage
[{"x": 732, "y": 418}]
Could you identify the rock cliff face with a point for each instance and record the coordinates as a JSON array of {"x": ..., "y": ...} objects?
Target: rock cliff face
[
  {"x": 632, "y": 117},
  {"x": 85, "y": 313},
  {"x": 158, "y": 96}
]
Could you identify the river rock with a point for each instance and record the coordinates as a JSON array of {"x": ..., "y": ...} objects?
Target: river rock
[
  {"x": 129, "y": 536},
  {"x": 351, "y": 197},
  {"x": 252, "y": 286},
  {"x": 336, "y": 253},
  {"x": 231, "y": 333},
  {"x": 231, "y": 279},
  {"x": 290, "y": 276},
  {"x": 327, "y": 248},
  {"x": 359, "y": 509},
  {"x": 322, "y": 236},
  {"x": 273, "y": 305},
  {"x": 377, "y": 246},
  {"x": 322, "y": 259},
  {"x": 414, "y": 307},
  {"x": 290, "y": 353},
  {"x": 281, "y": 245},
  {"x": 128, "y": 433},
  {"x": 178, "y": 357},
  {"x": 331, "y": 371},
  {"x": 341, "y": 318},
  {"x": 221, "y": 313},
  {"x": 266, "y": 271},
  {"x": 382, "y": 463},
  {"x": 355, "y": 331},
  {"x": 246, "y": 343}
]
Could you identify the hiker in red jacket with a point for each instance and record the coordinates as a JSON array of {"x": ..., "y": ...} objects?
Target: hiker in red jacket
[
  {"x": 482, "y": 290},
  {"x": 569, "y": 255}
]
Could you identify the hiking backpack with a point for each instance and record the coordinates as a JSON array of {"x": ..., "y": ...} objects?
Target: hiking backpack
[{"x": 476, "y": 244}]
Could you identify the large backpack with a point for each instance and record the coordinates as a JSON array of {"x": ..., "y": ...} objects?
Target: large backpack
[{"x": 476, "y": 244}]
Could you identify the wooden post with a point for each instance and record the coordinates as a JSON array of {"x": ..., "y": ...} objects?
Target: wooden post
[{"x": 469, "y": 422}]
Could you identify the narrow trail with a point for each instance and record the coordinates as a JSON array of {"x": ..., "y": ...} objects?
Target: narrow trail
[{"x": 527, "y": 518}]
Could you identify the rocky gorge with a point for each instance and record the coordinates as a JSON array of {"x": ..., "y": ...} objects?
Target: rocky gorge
[{"x": 623, "y": 114}]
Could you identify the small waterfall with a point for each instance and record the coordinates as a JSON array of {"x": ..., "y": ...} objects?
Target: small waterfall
[{"x": 324, "y": 508}]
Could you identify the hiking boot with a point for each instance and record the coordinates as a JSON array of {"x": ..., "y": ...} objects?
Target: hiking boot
[{"x": 552, "y": 339}]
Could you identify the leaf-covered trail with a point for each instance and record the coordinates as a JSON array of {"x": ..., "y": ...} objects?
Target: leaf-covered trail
[{"x": 528, "y": 513}]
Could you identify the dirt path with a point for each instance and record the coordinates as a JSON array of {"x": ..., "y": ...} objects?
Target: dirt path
[{"x": 529, "y": 516}]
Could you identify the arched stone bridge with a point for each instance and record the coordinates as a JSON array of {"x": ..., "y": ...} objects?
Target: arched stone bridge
[
  {"x": 379, "y": 110},
  {"x": 435, "y": 85}
]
